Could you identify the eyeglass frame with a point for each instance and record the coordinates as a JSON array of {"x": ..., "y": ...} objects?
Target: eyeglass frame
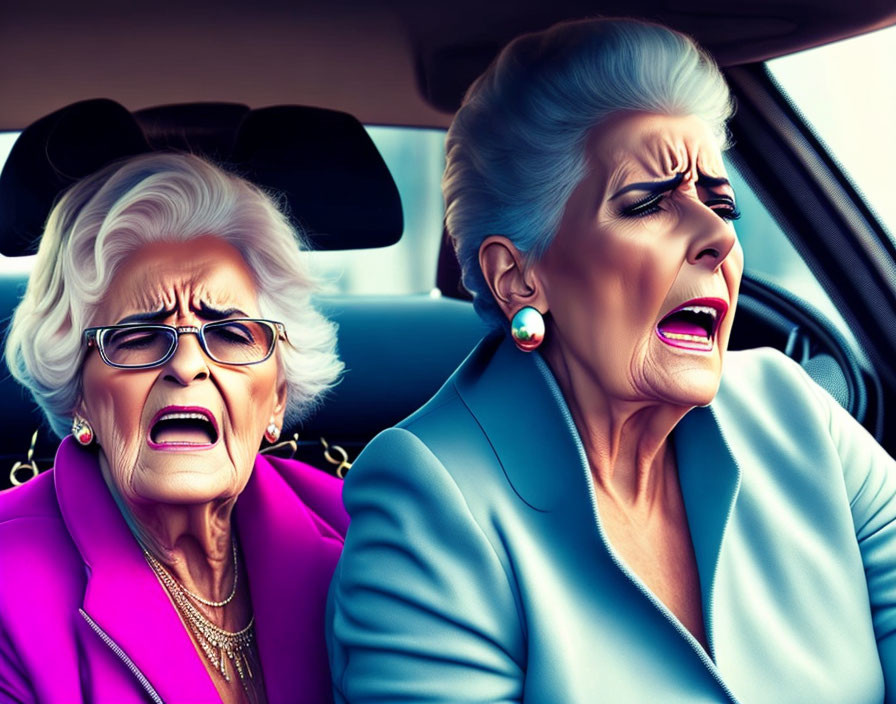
[{"x": 92, "y": 336}]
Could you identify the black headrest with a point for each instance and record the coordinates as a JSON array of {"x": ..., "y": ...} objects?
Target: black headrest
[{"x": 334, "y": 183}]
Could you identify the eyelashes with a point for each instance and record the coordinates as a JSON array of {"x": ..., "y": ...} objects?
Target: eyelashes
[
  {"x": 642, "y": 208},
  {"x": 723, "y": 207}
]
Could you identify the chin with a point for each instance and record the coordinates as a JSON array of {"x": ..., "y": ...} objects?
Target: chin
[
  {"x": 185, "y": 480},
  {"x": 185, "y": 493},
  {"x": 687, "y": 387},
  {"x": 696, "y": 388}
]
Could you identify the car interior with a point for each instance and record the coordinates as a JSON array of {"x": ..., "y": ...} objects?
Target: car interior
[{"x": 281, "y": 94}]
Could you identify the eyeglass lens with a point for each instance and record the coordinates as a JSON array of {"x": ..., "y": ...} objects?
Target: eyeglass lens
[{"x": 229, "y": 341}]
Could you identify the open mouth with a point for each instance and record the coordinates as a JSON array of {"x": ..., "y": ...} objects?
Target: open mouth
[
  {"x": 693, "y": 325},
  {"x": 177, "y": 427}
]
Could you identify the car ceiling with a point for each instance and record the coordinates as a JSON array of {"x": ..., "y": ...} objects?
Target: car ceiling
[{"x": 390, "y": 62}]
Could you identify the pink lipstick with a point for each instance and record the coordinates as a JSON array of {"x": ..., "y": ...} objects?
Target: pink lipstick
[
  {"x": 693, "y": 324},
  {"x": 182, "y": 428}
]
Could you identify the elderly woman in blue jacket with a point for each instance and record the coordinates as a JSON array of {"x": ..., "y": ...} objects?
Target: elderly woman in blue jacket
[{"x": 627, "y": 513}]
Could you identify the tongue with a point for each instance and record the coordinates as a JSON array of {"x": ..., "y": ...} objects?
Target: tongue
[
  {"x": 181, "y": 434},
  {"x": 682, "y": 327}
]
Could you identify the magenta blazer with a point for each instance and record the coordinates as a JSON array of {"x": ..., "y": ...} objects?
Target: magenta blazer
[{"x": 84, "y": 619}]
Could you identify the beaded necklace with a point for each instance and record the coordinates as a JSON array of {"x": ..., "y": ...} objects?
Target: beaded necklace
[
  {"x": 236, "y": 576},
  {"x": 217, "y": 644}
]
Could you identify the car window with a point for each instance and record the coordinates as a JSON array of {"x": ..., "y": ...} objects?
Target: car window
[
  {"x": 7, "y": 139},
  {"x": 769, "y": 254},
  {"x": 847, "y": 95}
]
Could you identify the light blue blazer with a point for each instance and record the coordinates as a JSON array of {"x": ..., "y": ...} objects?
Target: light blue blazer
[{"x": 476, "y": 569}]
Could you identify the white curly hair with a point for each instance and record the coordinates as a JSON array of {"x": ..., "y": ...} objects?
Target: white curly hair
[{"x": 160, "y": 197}]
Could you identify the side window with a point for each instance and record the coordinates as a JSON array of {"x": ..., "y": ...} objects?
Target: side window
[
  {"x": 846, "y": 93},
  {"x": 854, "y": 124},
  {"x": 7, "y": 139},
  {"x": 769, "y": 255}
]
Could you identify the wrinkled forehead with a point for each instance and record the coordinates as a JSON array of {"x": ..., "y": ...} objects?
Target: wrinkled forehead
[
  {"x": 647, "y": 146},
  {"x": 182, "y": 276}
]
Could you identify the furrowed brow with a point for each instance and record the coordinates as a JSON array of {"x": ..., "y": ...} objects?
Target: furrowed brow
[
  {"x": 651, "y": 186},
  {"x": 210, "y": 313},
  {"x": 149, "y": 317}
]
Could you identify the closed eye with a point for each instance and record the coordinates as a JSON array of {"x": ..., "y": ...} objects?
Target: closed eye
[
  {"x": 724, "y": 208},
  {"x": 232, "y": 333},
  {"x": 648, "y": 206},
  {"x": 132, "y": 340}
]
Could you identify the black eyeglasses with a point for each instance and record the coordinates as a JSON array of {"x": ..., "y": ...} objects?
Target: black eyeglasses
[{"x": 236, "y": 341}]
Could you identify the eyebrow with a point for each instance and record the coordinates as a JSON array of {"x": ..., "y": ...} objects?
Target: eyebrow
[
  {"x": 711, "y": 181},
  {"x": 653, "y": 186},
  {"x": 205, "y": 311},
  {"x": 662, "y": 186},
  {"x": 150, "y": 317}
]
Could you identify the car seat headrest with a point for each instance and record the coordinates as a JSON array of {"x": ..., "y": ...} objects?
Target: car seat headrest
[
  {"x": 333, "y": 182},
  {"x": 200, "y": 128},
  {"x": 51, "y": 155}
]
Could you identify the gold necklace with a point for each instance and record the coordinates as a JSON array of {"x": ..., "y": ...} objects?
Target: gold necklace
[{"x": 218, "y": 645}]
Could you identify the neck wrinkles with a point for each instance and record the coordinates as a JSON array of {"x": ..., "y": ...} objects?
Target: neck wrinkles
[
  {"x": 627, "y": 443},
  {"x": 193, "y": 541}
]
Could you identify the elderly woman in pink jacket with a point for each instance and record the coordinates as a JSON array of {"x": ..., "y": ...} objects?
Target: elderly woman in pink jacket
[{"x": 167, "y": 328}]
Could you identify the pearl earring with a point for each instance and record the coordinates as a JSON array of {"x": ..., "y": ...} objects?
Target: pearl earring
[{"x": 527, "y": 328}]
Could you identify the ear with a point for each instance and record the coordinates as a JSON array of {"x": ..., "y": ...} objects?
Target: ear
[
  {"x": 513, "y": 284},
  {"x": 279, "y": 410},
  {"x": 80, "y": 408}
]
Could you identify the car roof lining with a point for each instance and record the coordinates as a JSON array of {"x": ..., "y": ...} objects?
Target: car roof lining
[{"x": 393, "y": 62}]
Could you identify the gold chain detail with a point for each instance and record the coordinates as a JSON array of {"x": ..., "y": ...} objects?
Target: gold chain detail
[
  {"x": 28, "y": 464},
  {"x": 341, "y": 462},
  {"x": 218, "y": 645},
  {"x": 292, "y": 444}
]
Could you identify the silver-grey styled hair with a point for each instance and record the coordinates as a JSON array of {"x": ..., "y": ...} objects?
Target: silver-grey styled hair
[
  {"x": 516, "y": 148},
  {"x": 151, "y": 198}
]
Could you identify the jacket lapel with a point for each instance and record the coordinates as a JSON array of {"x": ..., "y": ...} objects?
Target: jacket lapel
[
  {"x": 710, "y": 482},
  {"x": 291, "y": 561},
  {"x": 520, "y": 408},
  {"x": 123, "y": 596}
]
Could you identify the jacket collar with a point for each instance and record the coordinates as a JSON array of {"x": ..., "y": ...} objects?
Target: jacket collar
[
  {"x": 290, "y": 556},
  {"x": 285, "y": 557},
  {"x": 520, "y": 408},
  {"x": 710, "y": 479},
  {"x": 123, "y": 595}
]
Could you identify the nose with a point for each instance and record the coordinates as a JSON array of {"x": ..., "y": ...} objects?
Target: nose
[
  {"x": 712, "y": 240},
  {"x": 188, "y": 363}
]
